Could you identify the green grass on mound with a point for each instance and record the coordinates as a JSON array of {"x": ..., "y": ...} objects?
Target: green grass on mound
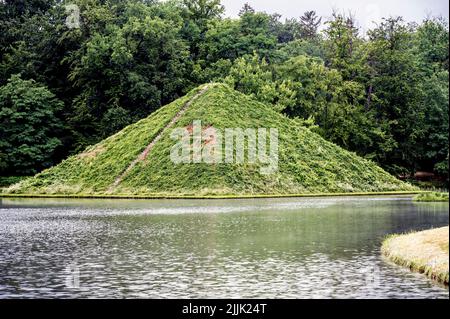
[{"x": 307, "y": 162}]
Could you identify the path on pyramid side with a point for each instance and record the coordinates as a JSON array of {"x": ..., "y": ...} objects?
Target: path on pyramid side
[{"x": 150, "y": 146}]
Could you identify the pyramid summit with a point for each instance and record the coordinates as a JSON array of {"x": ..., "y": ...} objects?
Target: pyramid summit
[{"x": 139, "y": 160}]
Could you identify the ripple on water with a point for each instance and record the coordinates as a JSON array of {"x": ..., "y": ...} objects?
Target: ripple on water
[{"x": 289, "y": 248}]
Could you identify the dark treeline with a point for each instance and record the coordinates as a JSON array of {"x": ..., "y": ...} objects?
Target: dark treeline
[{"x": 383, "y": 94}]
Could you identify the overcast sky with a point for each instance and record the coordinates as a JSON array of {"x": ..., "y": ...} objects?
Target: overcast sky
[{"x": 366, "y": 11}]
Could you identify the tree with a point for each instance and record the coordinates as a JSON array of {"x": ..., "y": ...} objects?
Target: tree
[
  {"x": 431, "y": 52},
  {"x": 201, "y": 11},
  {"x": 398, "y": 94},
  {"x": 433, "y": 44},
  {"x": 287, "y": 31},
  {"x": 19, "y": 21},
  {"x": 334, "y": 104},
  {"x": 131, "y": 69},
  {"x": 231, "y": 39},
  {"x": 246, "y": 9},
  {"x": 29, "y": 127},
  {"x": 341, "y": 43},
  {"x": 433, "y": 144},
  {"x": 252, "y": 76},
  {"x": 19, "y": 8},
  {"x": 309, "y": 25},
  {"x": 296, "y": 48},
  {"x": 197, "y": 14}
]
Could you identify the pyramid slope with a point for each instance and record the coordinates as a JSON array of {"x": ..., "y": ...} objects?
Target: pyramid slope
[{"x": 136, "y": 161}]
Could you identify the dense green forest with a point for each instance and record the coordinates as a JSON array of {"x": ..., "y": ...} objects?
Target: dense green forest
[{"x": 382, "y": 94}]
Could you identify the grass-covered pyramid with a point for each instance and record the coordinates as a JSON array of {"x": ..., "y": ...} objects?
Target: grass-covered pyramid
[{"x": 136, "y": 161}]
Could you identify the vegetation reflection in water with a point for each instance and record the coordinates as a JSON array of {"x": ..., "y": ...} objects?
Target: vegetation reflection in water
[{"x": 274, "y": 248}]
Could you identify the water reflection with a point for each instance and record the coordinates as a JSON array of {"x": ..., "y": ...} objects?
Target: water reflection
[{"x": 271, "y": 248}]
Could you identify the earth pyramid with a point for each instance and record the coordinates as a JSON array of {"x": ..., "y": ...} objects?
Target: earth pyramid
[{"x": 139, "y": 160}]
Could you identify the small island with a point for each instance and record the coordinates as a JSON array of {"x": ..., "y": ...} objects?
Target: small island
[
  {"x": 431, "y": 197},
  {"x": 425, "y": 252}
]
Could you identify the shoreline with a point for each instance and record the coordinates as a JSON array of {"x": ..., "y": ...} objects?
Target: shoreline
[
  {"x": 160, "y": 196},
  {"x": 431, "y": 197},
  {"x": 425, "y": 252}
]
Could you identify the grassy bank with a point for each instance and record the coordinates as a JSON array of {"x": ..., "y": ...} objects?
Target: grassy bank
[
  {"x": 168, "y": 196},
  {"x": 424, "y": 252},
  {"x": 431, "y": 197}
]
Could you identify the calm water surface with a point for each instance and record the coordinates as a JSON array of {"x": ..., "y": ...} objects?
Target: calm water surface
[{"x": 262, "y": 248}]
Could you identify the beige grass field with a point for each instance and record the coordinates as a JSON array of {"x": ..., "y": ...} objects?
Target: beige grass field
[{"x": 426, "y": 252}]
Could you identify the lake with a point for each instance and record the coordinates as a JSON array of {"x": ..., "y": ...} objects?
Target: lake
[{"x": 256, "y": 248}]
